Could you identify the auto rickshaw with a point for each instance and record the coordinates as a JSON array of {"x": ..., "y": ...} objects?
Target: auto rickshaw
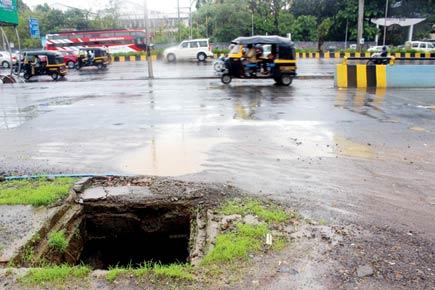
[
  {"x": 261, "y": 57},
  {"x": 93, "y": 56},
  {"x": 37, "y": 63}
]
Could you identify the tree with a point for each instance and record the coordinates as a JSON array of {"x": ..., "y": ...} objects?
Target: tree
[
  {"x": 304, "y": 28},
  {"x": 323, "y": 31}
]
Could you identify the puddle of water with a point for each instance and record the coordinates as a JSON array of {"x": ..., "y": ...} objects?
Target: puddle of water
[
  {"x": 418, "y": 129},
  {"x": 169, "y": 156},
  {"x": 353, "y": 149}
]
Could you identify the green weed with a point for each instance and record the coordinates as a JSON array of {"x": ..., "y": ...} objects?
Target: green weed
[
  {"x": 255, "y": 207},
  {"x": 57, "y": 241},
  {"x": 35, "y": 192},
  {"x": 175, "y": 271},
  {"x": 115, "y": 272},
  {"x": 238, "y": 244},
  {"x": 54, "y": 274}
]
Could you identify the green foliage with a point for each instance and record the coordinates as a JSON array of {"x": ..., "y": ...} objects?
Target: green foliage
[
  {"x": 115, "y": 272},
  {"x": 54, "y": 274},
  {"x": 175, "y": 271},
  {"x": 35, "y": 192},
  {"x": 255, "y": 207},
  {"x": 58, "y": 241},
  {"x": 304, "y": 28},
  {"x": 238, "y": 244},
  {"x": 323, "y": 31}
]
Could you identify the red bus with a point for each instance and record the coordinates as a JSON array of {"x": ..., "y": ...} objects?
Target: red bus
[{"x": 116, "y": 40}]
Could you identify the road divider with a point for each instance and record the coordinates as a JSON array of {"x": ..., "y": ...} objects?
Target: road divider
[
  {"x": 132, "y": 58},
  {"x": 383, "y": 76}
]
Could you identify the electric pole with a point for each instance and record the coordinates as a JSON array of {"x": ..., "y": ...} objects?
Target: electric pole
[
  {"x": 178, "y": 20},
  {"x": 147, "y": 40},
  {"x": 385, "y": 23},
  {"x": 360, "y": 23}
]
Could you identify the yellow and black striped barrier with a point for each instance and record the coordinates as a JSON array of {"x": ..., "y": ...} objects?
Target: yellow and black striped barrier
[
  {"x": 361, "y": 54},
  {"x": 385, "y": 72},
  {"x": 361, "y": 76},
  {"x": 132, "y": 58}
]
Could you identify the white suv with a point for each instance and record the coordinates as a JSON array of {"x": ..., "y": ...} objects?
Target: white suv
[
  {"x": 5, "y": 59},
  {"x": 189, "y": 49},
  {"x": 422, "y": 46}
]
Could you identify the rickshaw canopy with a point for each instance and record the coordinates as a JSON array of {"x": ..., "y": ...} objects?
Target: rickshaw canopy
[
  {"x": 52, "y": 57},
  {"x": 260, "y": 39}
]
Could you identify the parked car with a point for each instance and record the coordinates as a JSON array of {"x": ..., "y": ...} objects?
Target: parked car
[
  {"x": 5, "y": 59},
  {"x": 69, "y": 58},
  {"x": 189, "y": 49},
  {"x": 376, "y": 48},
  {"x": 422, "y": 46}
]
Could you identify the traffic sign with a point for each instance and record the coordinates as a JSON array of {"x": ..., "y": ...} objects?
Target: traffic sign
[
  {"x": 34, "y": 28},
  {"x": 8, "y": 12}
]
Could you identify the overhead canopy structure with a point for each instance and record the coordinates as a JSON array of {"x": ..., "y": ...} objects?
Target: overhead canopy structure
[
  {"x": 260, "y": 39},
  {"x": 398, "y": 21},
  {"x": 403, "y": 22},
  {"x": 8, "y": 12}
]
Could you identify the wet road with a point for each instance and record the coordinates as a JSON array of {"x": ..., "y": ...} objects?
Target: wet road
[{"x": 356, "y": 155}]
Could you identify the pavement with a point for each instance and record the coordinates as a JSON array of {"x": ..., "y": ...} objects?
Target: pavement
[{"x": 344, "y": 156}]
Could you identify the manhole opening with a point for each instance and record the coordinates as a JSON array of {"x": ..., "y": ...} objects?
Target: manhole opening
[{"x": 134, "y": 236}]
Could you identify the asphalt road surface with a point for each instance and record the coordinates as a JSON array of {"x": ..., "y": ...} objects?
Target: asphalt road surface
[{"x": 339, "y": 154}]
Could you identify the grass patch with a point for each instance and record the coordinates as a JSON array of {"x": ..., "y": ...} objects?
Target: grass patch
[
  {"x": 57, "y": 241},
  {"x": 54, "y": 274},
  {"x": 115, "y": 272},
  {"x": 35, "y": 192},
  {"x": 255, "y": 207},
  {"x": 174, "y": 271},
  {"x": 238, "y": 244}
]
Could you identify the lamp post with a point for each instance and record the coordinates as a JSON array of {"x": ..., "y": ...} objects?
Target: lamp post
[
  {"x": 147, "y": 40},
  {"x": 385, "y": 22},
  {"x": 360, "y": 23}
]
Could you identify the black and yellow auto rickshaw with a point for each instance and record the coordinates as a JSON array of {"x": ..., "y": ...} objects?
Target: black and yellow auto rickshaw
[
  {"x": 261, "y": 57},
  {"x": 37, "y": 63},
  {"x": 93, "y": 56}
]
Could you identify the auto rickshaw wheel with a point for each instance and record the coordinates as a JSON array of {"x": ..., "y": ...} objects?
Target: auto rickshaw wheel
[
  {"x": 27, "y": 76},
  {"x": 100, "y": 66},
  {"x": 201, "y": 57},
  {"x": 226, "y": 78},
  {"x": 171, "y": 57},
  {"x": 54, "y": 76},
  {"x": 286, "y": 80}
]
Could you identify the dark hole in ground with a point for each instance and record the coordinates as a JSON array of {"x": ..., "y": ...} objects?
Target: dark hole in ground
[{"x": 130, "y": 237}]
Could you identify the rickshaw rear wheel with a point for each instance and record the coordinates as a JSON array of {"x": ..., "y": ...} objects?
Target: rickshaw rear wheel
[
  {"x": 27, "y": 76},
  {"x": 226, "y": 79},
  {"x": 286, "y": 80},
  {"x": 100, "y": 66},
  {"x": 54, "y": 76}
]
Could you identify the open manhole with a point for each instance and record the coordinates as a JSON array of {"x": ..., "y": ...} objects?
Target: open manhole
[
  {"x": 105, "y": 235},
  {"x": 133, "y": 236}
]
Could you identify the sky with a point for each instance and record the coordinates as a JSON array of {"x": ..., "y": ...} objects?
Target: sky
[{"x": 159, "y": 5}]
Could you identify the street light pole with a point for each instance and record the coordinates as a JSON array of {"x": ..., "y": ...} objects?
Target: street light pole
[
  {"x": 147, "y": 40},
  {"x": 360, "y": 23},
  {"x": 178, "y": 20},
  {"x": 252, "y": 23},
  {"x": 385, "y": 22}
]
